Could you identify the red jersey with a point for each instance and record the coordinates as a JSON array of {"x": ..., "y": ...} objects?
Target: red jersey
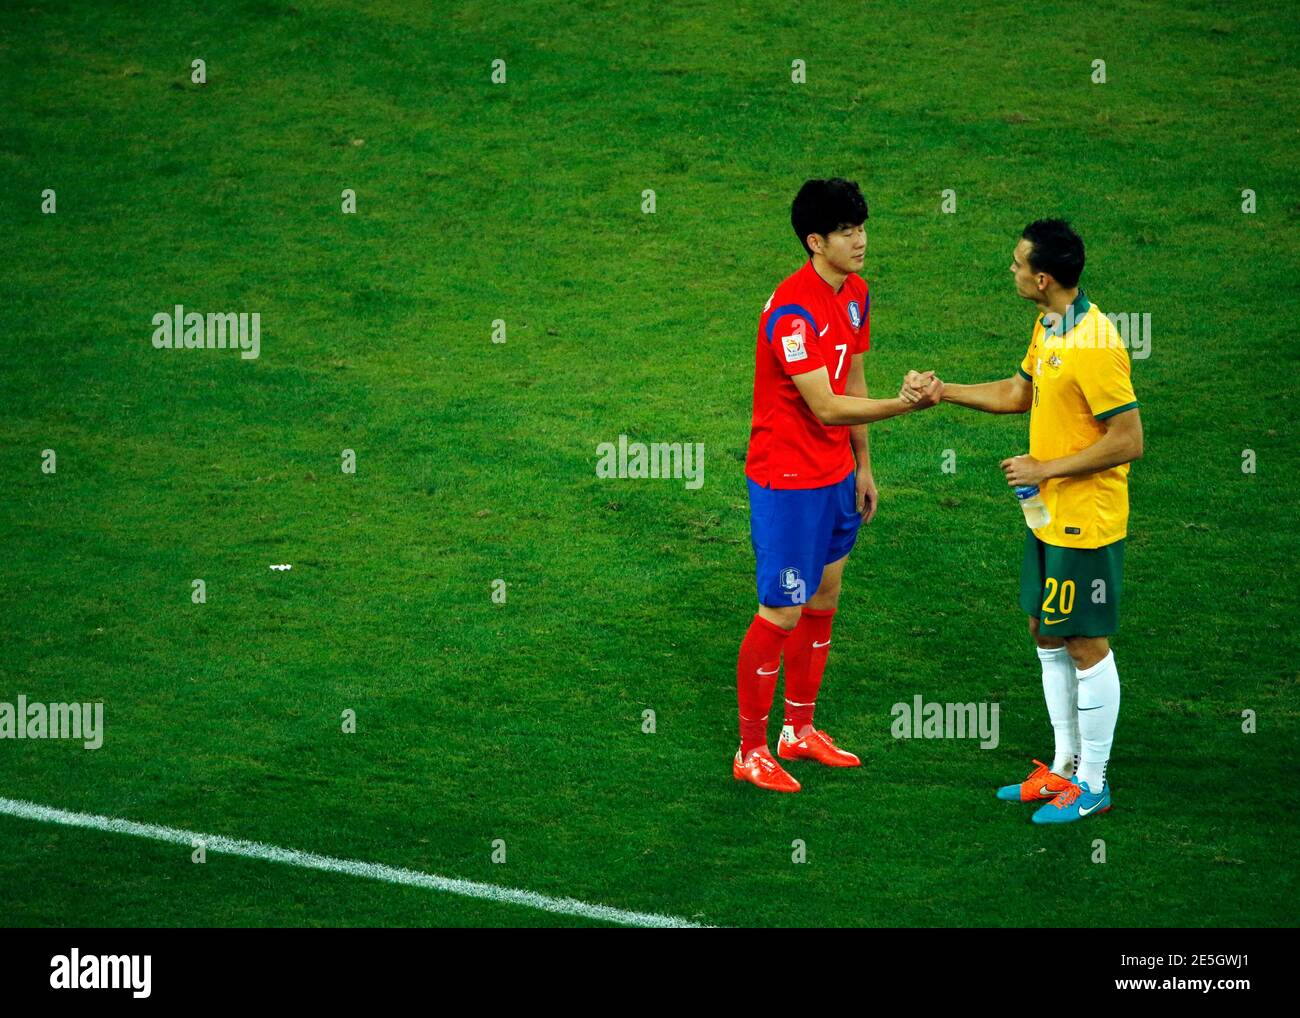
[{"x": 805, "y": 325}]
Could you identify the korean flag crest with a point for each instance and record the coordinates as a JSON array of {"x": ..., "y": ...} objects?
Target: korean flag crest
[{"x": 855, "y": 314}]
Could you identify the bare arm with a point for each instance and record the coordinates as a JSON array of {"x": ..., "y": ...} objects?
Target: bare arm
[
  {"x": 867, "y": 498},
  {"x": 1009, "y": 396},
  {"x": 1122, "y": 443},
  {"x": 829, "y": 408},
  {"x": 856, "y": 385}
]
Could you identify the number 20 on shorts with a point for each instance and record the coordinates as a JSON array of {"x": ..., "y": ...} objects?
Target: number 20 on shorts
[{"x": 1066, "y": 589}]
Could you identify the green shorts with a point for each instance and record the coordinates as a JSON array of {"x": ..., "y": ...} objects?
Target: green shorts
[{"x": 1072, "y": 591}]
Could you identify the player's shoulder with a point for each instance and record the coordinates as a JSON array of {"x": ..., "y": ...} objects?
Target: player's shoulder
[
  {"x": 791, "y": 295},
  {"x": 1099, "y": 322},
  {"x": 856, "y": 284},
  {"x": 1098, "y": 335}
]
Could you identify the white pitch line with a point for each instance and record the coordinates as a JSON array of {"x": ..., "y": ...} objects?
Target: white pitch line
[{"x": 329, "y": 864}]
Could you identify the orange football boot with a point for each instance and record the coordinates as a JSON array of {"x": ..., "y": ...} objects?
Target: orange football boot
[
  {"x": 1043, "y": 784},
  {"x": 760, "y": 769},
  {"x": 816, "y": 745}
]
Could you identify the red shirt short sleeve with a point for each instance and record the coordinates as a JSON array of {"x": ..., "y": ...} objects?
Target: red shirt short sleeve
[{"x": 792, "y": 330}]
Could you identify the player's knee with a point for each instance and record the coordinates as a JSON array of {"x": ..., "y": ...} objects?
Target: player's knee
[
  {"x": 1086, "y": 651},
  {"x": 786, "y": 618},
  {"x": 827, "y": 598}
]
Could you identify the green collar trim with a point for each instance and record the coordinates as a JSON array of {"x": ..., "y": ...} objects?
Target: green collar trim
[{"x": 1072, "y": 317}]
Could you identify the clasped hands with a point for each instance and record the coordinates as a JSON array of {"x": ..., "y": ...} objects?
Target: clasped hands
[{"x": 921, "y": 389}]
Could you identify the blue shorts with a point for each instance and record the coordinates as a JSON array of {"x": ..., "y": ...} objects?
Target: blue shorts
[{"x": 796, "y": 534}]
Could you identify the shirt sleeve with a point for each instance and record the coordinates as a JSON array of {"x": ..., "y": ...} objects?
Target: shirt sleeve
[
  {"x": 1027, "y": 362},
  {"x": 1107, "y": 384},
  {"x": 790, "y": 334},
  {"x": 864, "y": 333}
]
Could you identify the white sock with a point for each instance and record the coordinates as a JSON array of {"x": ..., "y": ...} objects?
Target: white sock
[
  {"x": 1060, "y": 689},
  {"x": 1098, "y": 710}
]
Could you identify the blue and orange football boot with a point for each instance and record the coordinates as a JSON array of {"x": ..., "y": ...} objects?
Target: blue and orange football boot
[
  {"x": 1043, "y": 784},
  {"x": 1075, "y": 803}
]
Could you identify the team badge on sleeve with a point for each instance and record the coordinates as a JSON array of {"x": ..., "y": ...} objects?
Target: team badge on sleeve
[
  {"x": 855, "y": 313},
  {"x": 793, "y": 345}
]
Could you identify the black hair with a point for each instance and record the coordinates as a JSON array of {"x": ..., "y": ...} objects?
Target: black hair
[
  {"x": 824, "y": 206},
  {"x": 1056, "y": 249}
]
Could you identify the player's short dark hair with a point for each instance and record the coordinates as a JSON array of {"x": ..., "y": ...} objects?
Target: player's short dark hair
[
  {"x": 824, "y": 206},
  {"x": 1056, "y": 249}
]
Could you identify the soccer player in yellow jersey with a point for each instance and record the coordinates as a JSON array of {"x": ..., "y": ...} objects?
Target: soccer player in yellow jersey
[{"x": 1084, "y": 431}]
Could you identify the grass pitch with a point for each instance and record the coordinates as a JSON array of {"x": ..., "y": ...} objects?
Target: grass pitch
[{"x": 522, "y": 721}]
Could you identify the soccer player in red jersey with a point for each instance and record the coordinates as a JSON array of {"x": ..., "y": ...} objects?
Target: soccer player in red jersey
[{"x": 809, "y": 475}]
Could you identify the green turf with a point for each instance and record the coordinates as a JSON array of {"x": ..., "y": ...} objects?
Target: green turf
[{"x": 476, "y": 461}]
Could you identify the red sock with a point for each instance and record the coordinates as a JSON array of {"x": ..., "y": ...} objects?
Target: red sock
[
  {"x": 804, "y": 665},
  {"x": 760, "y": 660}
]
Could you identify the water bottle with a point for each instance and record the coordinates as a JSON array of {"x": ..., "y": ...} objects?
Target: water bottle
[{"x": 1031, "y": 503}]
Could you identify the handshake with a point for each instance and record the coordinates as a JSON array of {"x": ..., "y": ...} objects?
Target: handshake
[{"x": 921, "y": 389}]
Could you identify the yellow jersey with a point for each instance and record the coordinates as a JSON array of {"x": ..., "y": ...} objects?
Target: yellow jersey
[{"x": 1080, "y": 371}]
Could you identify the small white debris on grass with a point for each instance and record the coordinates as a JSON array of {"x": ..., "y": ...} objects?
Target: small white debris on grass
[{"x": 283, "y": 568}]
